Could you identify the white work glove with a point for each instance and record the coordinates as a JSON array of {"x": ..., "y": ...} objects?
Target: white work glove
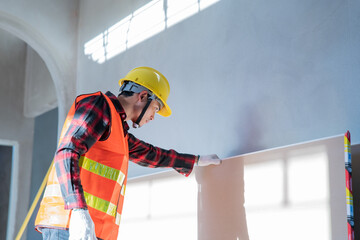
[
  {"x": 208, "y": 160},
  {"x": 81, "y": 226}
]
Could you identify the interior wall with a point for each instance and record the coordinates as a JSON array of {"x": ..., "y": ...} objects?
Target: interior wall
[
  {"x": 14, "y": 126},
  {"x": 244, "y": 76},
  {"x": 40, "y": 93},
  {"x": 50, "y": 28},
  {"x": 45, "y": 138}
]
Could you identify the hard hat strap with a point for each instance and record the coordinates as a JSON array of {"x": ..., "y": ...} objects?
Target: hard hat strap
[{"x": 136, "y": 124}]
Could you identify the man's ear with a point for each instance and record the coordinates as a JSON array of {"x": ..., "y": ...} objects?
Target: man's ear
[{"x": 143, "y": 96}]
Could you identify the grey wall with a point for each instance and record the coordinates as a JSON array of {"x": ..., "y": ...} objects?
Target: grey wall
[
  {"x": 45, "y": 138},
  {"x": 244, "y": 76}
]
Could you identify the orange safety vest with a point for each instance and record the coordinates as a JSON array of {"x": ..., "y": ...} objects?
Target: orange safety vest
[{"x": 103, "y": 174}]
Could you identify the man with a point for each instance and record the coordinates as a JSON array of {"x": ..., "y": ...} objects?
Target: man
[{"x": 85, "y": 191}]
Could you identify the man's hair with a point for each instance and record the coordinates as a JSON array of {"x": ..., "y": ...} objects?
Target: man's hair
[{"x": 126, "y": 93}]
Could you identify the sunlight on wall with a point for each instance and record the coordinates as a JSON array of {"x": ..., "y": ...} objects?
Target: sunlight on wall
[{"x": 140, "y": 25}]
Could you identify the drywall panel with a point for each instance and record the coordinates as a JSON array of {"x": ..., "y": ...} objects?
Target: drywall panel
[{"x": 292, "y": 192}]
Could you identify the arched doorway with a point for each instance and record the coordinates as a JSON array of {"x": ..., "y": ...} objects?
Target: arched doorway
[{"x": 28, "y": 70}]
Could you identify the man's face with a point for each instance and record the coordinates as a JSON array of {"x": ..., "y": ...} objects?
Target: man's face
[{"x": 149, "y": 115}]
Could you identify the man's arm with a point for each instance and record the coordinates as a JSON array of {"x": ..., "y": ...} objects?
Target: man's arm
[
  {"x": 88, "y": 125},
  {"x": 147, "y": 155}
]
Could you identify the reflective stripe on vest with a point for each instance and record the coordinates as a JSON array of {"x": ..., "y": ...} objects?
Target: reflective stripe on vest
[
  {"x": 106, "y": 172},
  {"x": 102, "y": 170}
]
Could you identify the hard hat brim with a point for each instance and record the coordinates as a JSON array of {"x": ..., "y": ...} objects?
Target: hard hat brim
[{"x": 165, "y": 111}]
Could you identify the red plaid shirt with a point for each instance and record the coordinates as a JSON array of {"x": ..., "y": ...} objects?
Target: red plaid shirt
[{"x": 91, "y": 124}]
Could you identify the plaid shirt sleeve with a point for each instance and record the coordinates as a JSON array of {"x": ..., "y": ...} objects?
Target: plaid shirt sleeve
[
  {"x": 88, "y": 126},
  {"x": 147, "y": 155}
]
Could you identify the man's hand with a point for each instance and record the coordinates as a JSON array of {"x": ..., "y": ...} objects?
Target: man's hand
[
  {"x": 81, "y": 225},
  {"x": 208, "y": 160}
]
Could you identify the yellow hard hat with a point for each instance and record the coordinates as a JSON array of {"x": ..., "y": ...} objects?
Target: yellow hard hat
[{"x": 154, "y": 81}]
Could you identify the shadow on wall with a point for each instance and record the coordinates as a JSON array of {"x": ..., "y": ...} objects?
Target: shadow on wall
[
  {"x": 249, "y": 131},
  {"x": 215, "y": 184}
]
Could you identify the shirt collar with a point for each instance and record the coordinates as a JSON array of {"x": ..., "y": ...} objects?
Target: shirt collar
[{"x": 118, "y": 108}]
